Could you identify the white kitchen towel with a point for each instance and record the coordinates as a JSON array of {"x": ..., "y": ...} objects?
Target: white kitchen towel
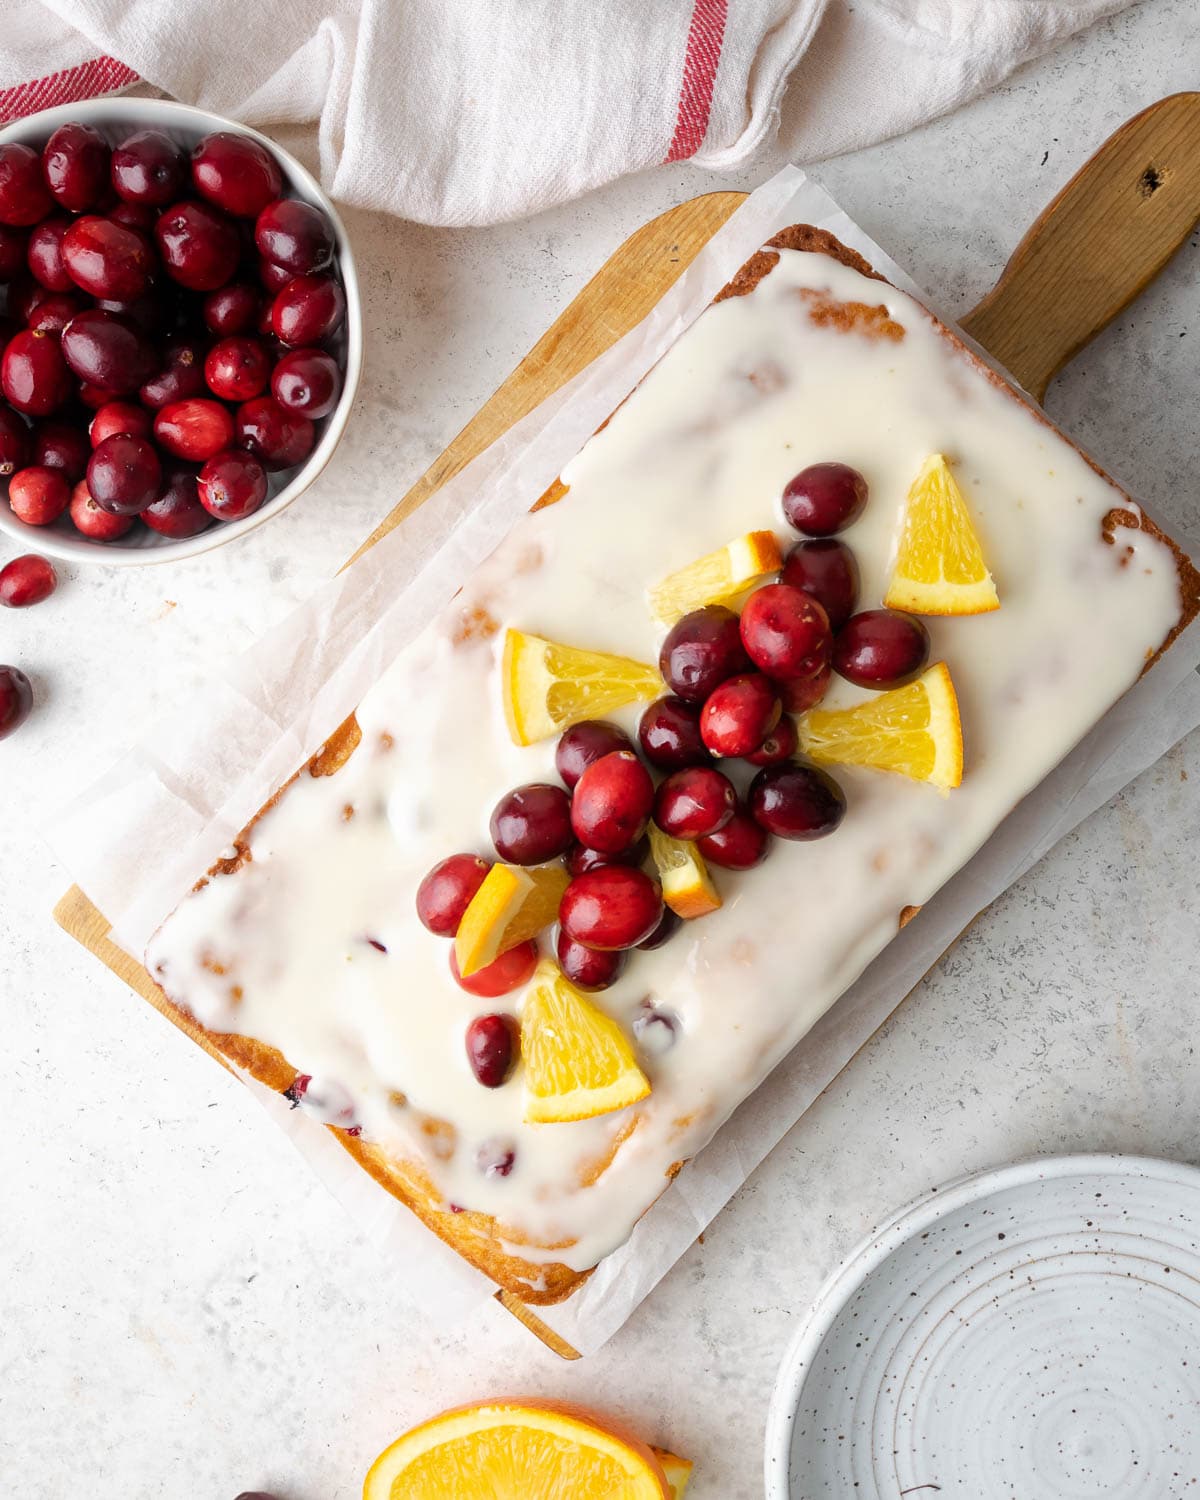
[{"x": 474, "y": 111}]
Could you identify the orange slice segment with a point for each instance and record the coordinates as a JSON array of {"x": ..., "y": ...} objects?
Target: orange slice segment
[
  {"x": 915, "y": 730},
  {"x": 940, "y": 568},
  {"x": 716, "y": 576},
  {"x": 512, "y": 905},
  {"x": 678, "y": 1471},
  {"x": 686, "y": 884},
  {"x": 513, "y": 1451},
  {"x": 548, "y": 686},
  {"x": 578, "y": 1062}
]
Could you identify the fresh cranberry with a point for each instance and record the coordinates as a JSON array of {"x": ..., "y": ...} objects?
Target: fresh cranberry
[
  {"x": 93, "y": 522},
  {"x": 124, "y": 475},
  {"x": 93, "y": 396},
  {"x": 75, "y": 166},
  {"x": 62, "y": 445},
  {"x": 237, "y": 369},
  {"x": 803, "y": 693},
  {"x": 826, "y": 569},
  {"x": 107, "y": 259},
  {"x": 16, "y": 699},
  {"x": 308, "y": 309},
  {"x": 25, "y": 295},
  {"x": 24, "y": 197},
  {"x": 26, "y": 580},
  {"x": 139, "y": 216},
  {"x": 491, "y": 1049},
  {"x": 496, "y": 1158},
  {"x": 588, "y": 968},
  {"x": 199, "y": 246},
  {"x": 824, "y": 498},
  {"x": 693, "y": 802},
  {"x": 446, "y": 892},
  {"x": 147, "y": 314},
  {"x": 583, "y": 744},
  {"x": 701, "y": 651},
  {"x": 106, "y": 351},
  {"x": 177, "y": 512},
  {"x": 116, "y": 417},
  {"x": 668, "y": 924},
  {"x": 612, "y": 907},
  {"x": 579, "y": 858},
  {"x": 236, "y": 173},
  {"x": 532, "y": 824},
  {"x": 739, "y": 714},
  {"x": 281, "y": 439},
  {"x": 779, "y": 745},
  {"x": 44, "y": 255},
  {"x": 12, "y": 251},
  {"x": 294, "y": 235},
  {"x": 881, "y": 648},
  {"x": 33, "y": 374},
  {"x": 232, "y": 309},
  {"x": 181, "y": 376},
  {"x": 612, "y": 802},
  {"x": 148, "y": 168},
  {"x": 14, "y": 442},
  {"x": 796, "y": 802},
  {"x": 232, "y": 485},
  {"x": 782, "y": 628},
  {"x": 274, "y": 278},
  {"x": 740, "y": 845},
  {"x": 510, "y": 971},
  {"x": 306, "y": 381},
  {"x": 55, "y": 311},
  {"x": 669, "y": 732},
  {"x": 194, "y": 429},
  {"x": 38, "y": 495}
]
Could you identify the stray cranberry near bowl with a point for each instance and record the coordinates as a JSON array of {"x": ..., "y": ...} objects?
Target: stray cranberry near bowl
[
  {"x": 33, "y": 374},
  {"x": 26, "y": 581},
  {"x": 232, "y": 485},
  {"x": 148, "y": 168},
  {"x": 16, "y": 699},
  {"x": 491, "y": 1048},
  {"x": 236, "y": 173},
  {"x": 824, "y": 498},
  {"x": 588, "y": 968},
  {"x": 611, "y": 907},
  {"x": 24, "y": 196},
  {"x": 796, "y": 802},
  {"x": 294, "y": 236},
  {"x": 75, "y": 164},
  {"x": 881, "y": 648},
  {"x": 38, "y": 495}
]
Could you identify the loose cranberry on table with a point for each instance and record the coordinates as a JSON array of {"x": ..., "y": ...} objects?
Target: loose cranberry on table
[
  {"x": 14, "y": 442},
  {"x": 307, "y": 381},
  {"x": 612, "y": 907},
  {"x": 148, "y": 168},
  {"x": 796, "y": 802},
  {"x": 612, "y": 802},
  {"x": 180, "y": 378},
  {"x": 90, "y": 520},
  {"x": 280, "y": 438},
  {"x": 33, "y": 374},
  {"x": 579, "y": 858},
  {"x": 75, "y": 164},
  {"x": 694, "y": 802},
  {"x": 16, "y": 699},
  {"x": 782, "y": 628},
  {"x": 38, "y": 495},
  {"x": 199, "y": 245},
  {"x": 739, "y": 714},
  {"x": 232, "y": 485},
  {"x": 236, "y": 173},
  {"x": 194, "y": 429},
  {"x": 668, "y": 924},
  {"x": 585, "y": 743},
  {"x": 491, "y": 1048},
  {"x": 26, "y": 580},
  {"x": 701, "y": 650},
  {"x": 116, "y": 417},
  {"x": 308, "y": 309},
  {"x": 881, "y": 648},
  {"x": 104, "y": 350},
  {"x": 124, "y": 475},
  {"x": 824, "y": 498},
  {"x": 826, "y": 569},
  {"x": 510, "y": 971},
  {"x": 44, "y": 255},
  {"x": 532, "y": 824},
  {"x": 446, "y": 892},
  {"x": 588, "y": 968},
  {"x": 107, "y": 259},
  {"x": 24, "y": 196},
  {"x": 295, "y": 236},
  {"x": 177, "y": 512},
  {"x": 739, "y": 845},
  {"x": 232, "y": 309},
  {"x": 669, "y": 734},
  {"x": 55, "y": 311}
]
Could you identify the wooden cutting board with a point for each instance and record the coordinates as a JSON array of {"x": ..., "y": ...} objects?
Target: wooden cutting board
[{"x": 1095, "y": 247}]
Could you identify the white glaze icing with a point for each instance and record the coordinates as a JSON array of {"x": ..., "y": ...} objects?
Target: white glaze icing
[{"x": 756, "y": 390}]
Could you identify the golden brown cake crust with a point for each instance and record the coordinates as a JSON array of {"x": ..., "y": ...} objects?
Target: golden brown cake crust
[{"x": 477, "y": 1237}]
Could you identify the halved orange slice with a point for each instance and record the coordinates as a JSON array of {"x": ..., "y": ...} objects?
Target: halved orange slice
[
  {"x": 548, "y": 686},
  {"x": 512, "y": 1450},
  {"x": 915, "y": 730},
  {"x": 717, "y": 576},
  {"x": 512, "y": 905},
  {"x": 678, "y": 1471},
  {"x": 940, "y": 568},
  {"x": 578, "y": 1061},
  {"x": 686, "y": 884}
]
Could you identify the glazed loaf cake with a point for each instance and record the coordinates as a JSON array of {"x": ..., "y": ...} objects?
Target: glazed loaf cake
[{"x": 301, "y": 955}]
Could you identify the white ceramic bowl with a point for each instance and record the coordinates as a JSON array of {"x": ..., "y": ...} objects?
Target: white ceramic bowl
[
  {"x": 1030, "y": 1331},
  {"x": 114, "y": 118}
]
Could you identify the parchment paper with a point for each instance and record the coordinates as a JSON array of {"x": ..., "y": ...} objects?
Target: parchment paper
[{"x": 137, "y": 840}]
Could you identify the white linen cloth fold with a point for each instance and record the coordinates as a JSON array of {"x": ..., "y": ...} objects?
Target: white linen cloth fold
[{"x": 474, "y": 111}]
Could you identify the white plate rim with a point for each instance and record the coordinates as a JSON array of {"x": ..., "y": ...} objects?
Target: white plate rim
[{"x": 914, "y": 1218}]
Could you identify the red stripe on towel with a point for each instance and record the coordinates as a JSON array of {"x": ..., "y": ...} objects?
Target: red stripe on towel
[
  {"x": 101, "y": 75},
  {"x": 705, "y": 35}
]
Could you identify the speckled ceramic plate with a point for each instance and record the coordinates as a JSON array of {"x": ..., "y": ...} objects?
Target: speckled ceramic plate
[{"x": 1033, "y": 1332}]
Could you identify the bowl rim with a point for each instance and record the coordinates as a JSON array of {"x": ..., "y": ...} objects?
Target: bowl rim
[
  {"x": 874, "y": 1248},
  {"x": 141, "y": 111}
]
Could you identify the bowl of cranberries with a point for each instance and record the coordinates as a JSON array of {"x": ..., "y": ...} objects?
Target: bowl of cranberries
[{"x": 180, "y": 331}]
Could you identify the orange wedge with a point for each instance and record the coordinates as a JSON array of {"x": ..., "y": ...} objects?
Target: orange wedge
[
  {"x": 717, "y": 576},
  {"x": 548, "y": 686},
  {"x": 678, "y": 1471},
  {"x": 515, "y": 1451},
  {"x": 686, "y": 885},
  {"x": 940, "y": 568},
  {"x": 578, "y": 1061},
  {"x": 512, "y": 905},
  {"x": 914, "y": 730}
]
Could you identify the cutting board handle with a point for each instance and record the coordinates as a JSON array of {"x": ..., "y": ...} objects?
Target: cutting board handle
[{"x": 1098, "y": 244}]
